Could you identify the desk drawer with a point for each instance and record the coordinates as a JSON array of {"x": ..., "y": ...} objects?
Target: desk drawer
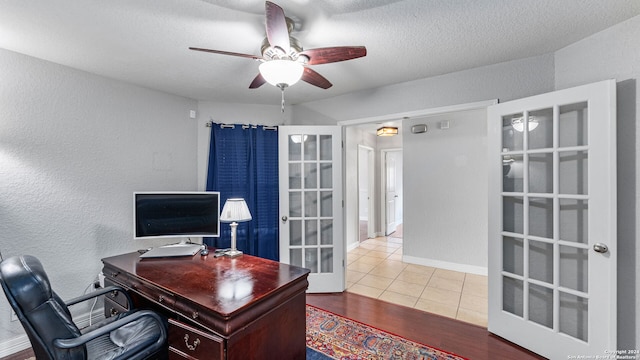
[
  {"x": 190, "y": 343},
  {"x": 114, "y": 275},
  {"x": 157, "y": 295}
]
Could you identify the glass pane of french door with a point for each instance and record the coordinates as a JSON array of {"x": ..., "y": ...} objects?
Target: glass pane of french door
[
  {"x": 311, "y": 199},
  {"x": 551, "y": 286},
  {"x": 311, "y": 204},
  {"x": 545, "y": 197}
]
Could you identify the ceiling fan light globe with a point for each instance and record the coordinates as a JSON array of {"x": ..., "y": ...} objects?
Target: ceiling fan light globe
[
  {"x": 281, "y": 72},
  {"x": 518, "y": 123}
]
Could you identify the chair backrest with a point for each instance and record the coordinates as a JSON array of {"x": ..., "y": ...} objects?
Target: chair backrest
[{"x": 41, "y": 311}]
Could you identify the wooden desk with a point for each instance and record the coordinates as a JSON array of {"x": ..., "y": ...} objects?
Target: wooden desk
[{"x": 218, "y": 308}]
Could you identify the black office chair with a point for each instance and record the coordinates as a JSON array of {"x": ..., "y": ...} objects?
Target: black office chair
[{"x": 52, "y": 332}]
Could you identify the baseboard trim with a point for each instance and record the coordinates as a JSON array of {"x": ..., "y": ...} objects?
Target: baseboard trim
[
  {"x": 471, "y": 269},
  {"x": 15, "y": 345},
  {"x": 352, "y": 246}
]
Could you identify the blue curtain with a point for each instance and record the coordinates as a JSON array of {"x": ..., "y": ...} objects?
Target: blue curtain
[{"x": 243, "y": 163}]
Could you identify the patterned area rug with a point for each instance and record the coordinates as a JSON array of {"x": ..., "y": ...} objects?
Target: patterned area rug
[{"x": 337, "y": 337}]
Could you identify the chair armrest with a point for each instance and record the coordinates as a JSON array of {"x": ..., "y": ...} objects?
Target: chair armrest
[
  {"x": 85, "y": 338},
  {"x": 98, "y": 292}
]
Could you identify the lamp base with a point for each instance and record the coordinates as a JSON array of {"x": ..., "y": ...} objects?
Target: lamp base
[{"x": 233, "y": 253}]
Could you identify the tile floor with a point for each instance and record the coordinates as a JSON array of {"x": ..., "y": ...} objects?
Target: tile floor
[{"x": 375, "y": 269}]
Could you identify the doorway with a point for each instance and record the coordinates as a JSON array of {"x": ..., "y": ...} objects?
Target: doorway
[{"x": 390, "y": 268}]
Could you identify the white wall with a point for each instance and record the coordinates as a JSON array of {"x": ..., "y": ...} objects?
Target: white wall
[
  {"x": 73, "y": 148},
  {"x": 445, "y": 185},
  {"x": 504, "y": 81},
  {"x": 615, "y": 54}
]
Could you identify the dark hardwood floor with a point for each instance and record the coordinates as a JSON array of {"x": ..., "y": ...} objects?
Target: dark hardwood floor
[{"x": 467, "y": 340}]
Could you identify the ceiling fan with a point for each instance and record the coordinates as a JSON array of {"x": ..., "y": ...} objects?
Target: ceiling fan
[{"x": 284, "y": 61}]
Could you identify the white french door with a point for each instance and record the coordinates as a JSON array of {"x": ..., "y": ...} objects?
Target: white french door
[
  {"x": 552, "y": 221},
  {"x": 311, "y": 232},
  {"x": 391, "y": 195}
]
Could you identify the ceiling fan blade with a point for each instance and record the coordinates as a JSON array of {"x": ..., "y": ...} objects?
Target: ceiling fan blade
[
  {"x": 227, "y": 53},
  {"x": 257, "y": 82},
  {"x": 333, "y": 54},
  {"x": 316, "y": 79},
  {"x": 276, "y": 25}
]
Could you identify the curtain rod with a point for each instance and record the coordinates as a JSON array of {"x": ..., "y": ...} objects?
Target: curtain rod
[{"x": 244, "y": 126}]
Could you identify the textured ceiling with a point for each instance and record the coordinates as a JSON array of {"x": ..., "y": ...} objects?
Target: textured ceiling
[{"x": 145, "y": 41}]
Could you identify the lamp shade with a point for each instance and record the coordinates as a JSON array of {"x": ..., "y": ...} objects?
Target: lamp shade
[
  {"x": 235, "y": 210},
  {"x": 277, "y": 72}
]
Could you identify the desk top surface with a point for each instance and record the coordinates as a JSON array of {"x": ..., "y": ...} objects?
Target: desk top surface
[{"x": 222, "y": 284}]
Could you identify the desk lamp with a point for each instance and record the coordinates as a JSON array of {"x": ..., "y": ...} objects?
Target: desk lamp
[{"x": 235, "y": 210}]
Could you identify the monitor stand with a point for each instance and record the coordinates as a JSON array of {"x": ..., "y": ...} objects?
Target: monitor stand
[{"x": 183, "y": 248}]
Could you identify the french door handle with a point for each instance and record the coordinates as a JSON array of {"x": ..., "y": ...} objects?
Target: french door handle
[
  {"x": 600, "y": 247},
  {"x": 284, "y": 218}
]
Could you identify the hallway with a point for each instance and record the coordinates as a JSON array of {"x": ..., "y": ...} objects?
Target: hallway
[{"x": 375, "y": 269}]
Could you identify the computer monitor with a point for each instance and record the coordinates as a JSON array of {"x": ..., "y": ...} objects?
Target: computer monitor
[{"x": 176, "y": 214}]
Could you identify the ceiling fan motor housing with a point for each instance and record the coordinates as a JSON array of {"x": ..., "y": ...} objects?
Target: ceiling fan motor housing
[{"x": 276, "y": 53}]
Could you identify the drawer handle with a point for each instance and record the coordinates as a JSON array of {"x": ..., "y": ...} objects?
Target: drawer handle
[
  {"x": 195, "y": 315},
  {"x": 114, "y": 293},
  {"x": 160, "y": 298},
  {"x": 113, "y": 312},
  {"x": 193, "y": 347}
]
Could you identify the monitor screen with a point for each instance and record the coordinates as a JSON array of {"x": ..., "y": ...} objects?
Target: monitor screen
[{"x": 176, "y": 214}]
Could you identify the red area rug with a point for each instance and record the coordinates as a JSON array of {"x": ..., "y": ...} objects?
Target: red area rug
[{"x": 340, "y": 338}]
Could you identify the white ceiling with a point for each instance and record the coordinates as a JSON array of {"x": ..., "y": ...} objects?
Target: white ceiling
[{"x": 145, "y": 41}]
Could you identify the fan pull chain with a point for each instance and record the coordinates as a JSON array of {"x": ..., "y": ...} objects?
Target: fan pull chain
[{"x": 282, "y": 90}]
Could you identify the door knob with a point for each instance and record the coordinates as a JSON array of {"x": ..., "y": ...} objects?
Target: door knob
[
  {"x": 601, "y": 248},
  {"x": 284, "y": 218}
]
